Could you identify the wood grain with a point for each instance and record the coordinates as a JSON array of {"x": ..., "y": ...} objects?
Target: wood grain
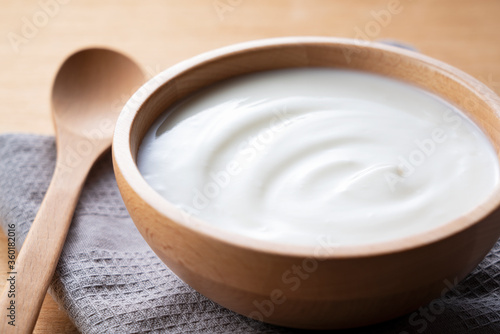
[{"x": 159, "y": 33}]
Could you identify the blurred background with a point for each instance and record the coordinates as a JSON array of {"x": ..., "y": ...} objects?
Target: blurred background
[{"x": 36, "y": 36}]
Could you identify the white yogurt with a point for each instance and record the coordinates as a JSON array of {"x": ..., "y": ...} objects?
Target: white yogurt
[{"x": 299, "y": 155}]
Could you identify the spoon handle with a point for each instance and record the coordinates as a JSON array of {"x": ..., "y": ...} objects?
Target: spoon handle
[{"x": 30, "y": 276}]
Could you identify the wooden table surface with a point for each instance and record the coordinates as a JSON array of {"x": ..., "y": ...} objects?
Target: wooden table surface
[{"x": 38, "y": 35}]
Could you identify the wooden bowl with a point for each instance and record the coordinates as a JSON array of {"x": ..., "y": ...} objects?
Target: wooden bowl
[{"x": 320, "y": 287}]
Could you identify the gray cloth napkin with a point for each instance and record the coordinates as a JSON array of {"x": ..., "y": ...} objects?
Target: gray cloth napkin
[{"x": 109, "y": 281}]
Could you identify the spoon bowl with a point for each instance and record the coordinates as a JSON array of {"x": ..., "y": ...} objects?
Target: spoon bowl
[{"x": 89, "y": 89}]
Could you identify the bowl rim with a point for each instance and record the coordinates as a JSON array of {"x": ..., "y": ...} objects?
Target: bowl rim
[{"x": 125, "y": 164}]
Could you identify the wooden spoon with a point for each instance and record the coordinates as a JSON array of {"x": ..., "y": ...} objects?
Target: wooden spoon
[{"x": 87, "y": 97}]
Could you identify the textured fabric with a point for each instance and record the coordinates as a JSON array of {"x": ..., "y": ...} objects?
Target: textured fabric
[{"x": 109, "y": 280}]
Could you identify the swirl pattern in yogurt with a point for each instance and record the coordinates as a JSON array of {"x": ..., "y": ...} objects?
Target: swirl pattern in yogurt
[{"x": 297, "y": 155}]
